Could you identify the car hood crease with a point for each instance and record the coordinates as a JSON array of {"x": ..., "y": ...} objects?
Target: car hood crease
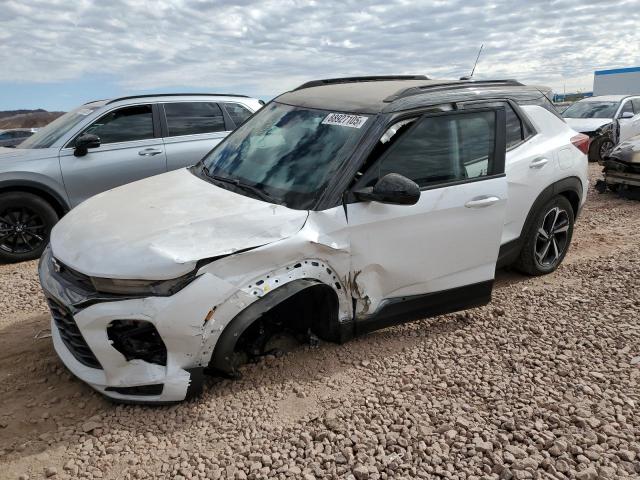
[{"x": 158, "y": 228}]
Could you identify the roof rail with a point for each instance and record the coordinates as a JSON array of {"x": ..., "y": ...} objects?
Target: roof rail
[
  {"x": 97, "y": 100},
  {"x": 176, "y": 95},
  {"x": 407, "y": 92},
  {"x": 375, "y": 78}
]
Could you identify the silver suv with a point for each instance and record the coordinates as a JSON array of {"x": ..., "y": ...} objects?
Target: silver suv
[{"x": 99, "y": 146}]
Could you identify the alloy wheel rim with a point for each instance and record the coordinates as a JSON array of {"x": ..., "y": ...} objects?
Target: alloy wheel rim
[
  {"x": 552, "y": 236},
  {"x": 605, "y": 148},
  {"x": 21, "y": 230}
]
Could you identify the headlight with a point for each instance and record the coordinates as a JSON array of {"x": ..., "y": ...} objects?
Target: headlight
[{"x": 142, "y": 287}]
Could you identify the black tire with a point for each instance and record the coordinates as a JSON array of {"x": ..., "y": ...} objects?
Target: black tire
[
  {"x": 598, "y": 146},
  {"x": 534, "y": 259},
  {"x": 26, "y": 221}
]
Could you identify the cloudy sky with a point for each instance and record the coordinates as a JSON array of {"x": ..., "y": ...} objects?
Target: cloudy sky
[{"x": 57, "y": 54}]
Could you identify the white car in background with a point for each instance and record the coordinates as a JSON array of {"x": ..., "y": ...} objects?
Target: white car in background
[
  {"x": 341, "y": 207},
  {"x": 606, "y": 119}
]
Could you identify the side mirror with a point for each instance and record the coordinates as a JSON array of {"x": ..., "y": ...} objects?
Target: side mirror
[
  {"x": 84, "y": 142},
  {"x": 393, "y": 188},
  {"x": 627, "y": 115}
]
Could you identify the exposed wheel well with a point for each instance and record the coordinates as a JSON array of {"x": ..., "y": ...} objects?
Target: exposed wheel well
[
  {"x": 302, "y": 307},
  {"x": 574, "y": 200},
  {"x": 57, "y": 205}
]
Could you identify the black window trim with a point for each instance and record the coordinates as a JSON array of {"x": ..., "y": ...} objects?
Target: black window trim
[
  {"x": 499, "y": 154},
  {"x": 154, "y": 119},
  {"x": 228, "y": 122}
]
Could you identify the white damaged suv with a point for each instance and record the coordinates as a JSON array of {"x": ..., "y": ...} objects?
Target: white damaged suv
[{"x": 341, "y": 207}]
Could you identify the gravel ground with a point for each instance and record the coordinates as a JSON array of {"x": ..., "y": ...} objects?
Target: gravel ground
[{"x": 541, "y": 383}]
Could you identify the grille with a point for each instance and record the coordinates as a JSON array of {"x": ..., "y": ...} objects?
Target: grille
[{"x": 71, "y": 336}]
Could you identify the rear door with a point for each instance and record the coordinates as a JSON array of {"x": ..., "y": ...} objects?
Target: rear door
[
  {"x": 130, "y": 149},
  {"x": 440, "y": 254},
  {"x": 191, "y": 129}
]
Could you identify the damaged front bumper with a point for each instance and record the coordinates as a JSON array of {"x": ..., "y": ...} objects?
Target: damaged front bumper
[
  {"x": 133, "y": 349},
  {"x": 622, "y": 165}
]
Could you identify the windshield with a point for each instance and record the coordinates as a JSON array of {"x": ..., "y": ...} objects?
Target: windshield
[
  {"x": 591, "y": 110},
  {"x": 287, "y": 153},
  {"x": 47, "y": 136}
]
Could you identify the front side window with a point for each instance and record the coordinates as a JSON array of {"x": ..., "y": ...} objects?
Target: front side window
[
  {"x": 238, "y": 113},
  {"x": 288, "y": 153},
  {"x": 47, "y": 136},
  {"x": 440, "y": 149},
  {"x": 627, "y": 107},
  {"x": 591, "y": 109},
  {"x": 192, "y": 118},
  {"x": 124, "y": 125},
  {"x": 636, "y": 105}
]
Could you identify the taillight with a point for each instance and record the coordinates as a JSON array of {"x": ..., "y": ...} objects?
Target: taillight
[{"x": 581, "y": 142}]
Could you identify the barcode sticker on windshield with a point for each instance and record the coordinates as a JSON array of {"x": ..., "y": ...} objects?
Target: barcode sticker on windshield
[{"x": 344, "y": 120}]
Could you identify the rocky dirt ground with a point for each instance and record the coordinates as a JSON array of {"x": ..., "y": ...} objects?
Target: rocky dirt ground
[{"x": 541, "y": 383}]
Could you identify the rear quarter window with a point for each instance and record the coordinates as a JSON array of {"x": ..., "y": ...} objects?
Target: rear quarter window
[{"x": 238, "y": 113}]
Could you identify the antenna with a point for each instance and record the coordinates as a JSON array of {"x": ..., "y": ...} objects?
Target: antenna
[{"x": 474, "y": 65}]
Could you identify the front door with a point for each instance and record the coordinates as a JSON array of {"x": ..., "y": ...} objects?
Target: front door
[
  {"x": 629, "y": 127},
  {"x": 130, "y": 149},
  {"x": 440, "y": 254}
]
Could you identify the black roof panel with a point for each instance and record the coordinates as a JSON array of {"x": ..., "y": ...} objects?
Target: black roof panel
[{"x": 375, "y": 96}]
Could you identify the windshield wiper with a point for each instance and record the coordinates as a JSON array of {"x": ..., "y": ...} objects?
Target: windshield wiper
[{"x": 238, "y": 184}]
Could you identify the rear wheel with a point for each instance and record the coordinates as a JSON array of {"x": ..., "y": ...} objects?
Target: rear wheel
[
  {"x": 547, "y": 238},
  {"x": 26, "y": 221}
]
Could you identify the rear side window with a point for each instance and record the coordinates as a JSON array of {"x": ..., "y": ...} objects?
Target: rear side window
[
  {"x": 517, "y": 130},
  {"x": 191, "y": 118},
  {"x": 238, "y": 113},
  {"x": 441, "y": 149},
  {"x": 124, "y": 125}
]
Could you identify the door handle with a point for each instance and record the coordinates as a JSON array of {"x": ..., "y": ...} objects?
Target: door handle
[
  {"x": 481, "y": 202},
  {"x": 149, "y": 152},
  {"x": 539, "y": 162}
]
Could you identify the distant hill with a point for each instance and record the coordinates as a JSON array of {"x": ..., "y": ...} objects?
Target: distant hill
[{"x": 26, "y": 118}]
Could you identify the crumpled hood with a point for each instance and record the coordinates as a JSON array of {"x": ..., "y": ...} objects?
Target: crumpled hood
[
  {"x": 587, "y": 124},
  {"x": 159, "y": 227}
]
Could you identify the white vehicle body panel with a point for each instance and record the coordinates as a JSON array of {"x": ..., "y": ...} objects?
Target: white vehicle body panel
[
  {"x": 629, "y": 127},
  {"x": 527, "y": 172},
  {"x": 434, "y": 245}
]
